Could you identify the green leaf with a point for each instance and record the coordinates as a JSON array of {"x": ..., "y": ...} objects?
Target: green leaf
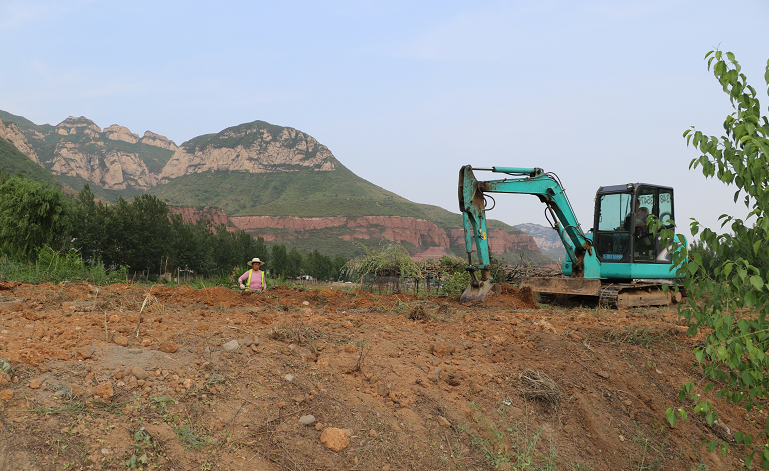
[
  {"x": 757, "y": 282},
  {"x": 712, "y": 446},
  {"x": 710, "y": 417},
  {"x": 671, "y": 416}
]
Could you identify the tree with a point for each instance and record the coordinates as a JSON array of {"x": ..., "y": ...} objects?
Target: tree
[
  {"x": 138, "y": 233},
  {"x": 293, "y": 263},
  {"x": 732, "y": 317},
  {"x": 89, "y": 225},
  {"x": 279, "y": 260},
  {"x": 31, "y": 215}
]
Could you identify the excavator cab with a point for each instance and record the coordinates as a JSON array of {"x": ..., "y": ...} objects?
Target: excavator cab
[{"x": 620, "y": 233}]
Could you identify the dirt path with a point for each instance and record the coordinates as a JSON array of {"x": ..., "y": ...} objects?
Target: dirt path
[{"x": 213, "y": 379}]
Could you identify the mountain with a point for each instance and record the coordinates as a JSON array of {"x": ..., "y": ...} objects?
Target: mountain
[
  {"x": 547, "y": 240},
  {"x": 272, "y": 181}
]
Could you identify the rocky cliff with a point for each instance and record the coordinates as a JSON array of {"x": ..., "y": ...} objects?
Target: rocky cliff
[
  {"x": 254, "y": 148},
  {"x": 418, "y": 232},
  {"x": 193, "y": 215},
  {"x": 117, "y": 159},
  {"x": 15, "y": 136},
  {"x": 289, "y": 169}
]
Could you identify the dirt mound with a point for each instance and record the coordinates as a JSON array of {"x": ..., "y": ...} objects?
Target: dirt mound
[{"x": 208, "y": 378}]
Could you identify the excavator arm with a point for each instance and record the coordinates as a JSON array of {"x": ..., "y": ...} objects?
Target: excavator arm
[{"x": 529, "y": 181}]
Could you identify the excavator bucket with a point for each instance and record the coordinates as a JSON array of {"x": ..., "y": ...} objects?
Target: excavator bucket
[{"x": 477, "y": 291}]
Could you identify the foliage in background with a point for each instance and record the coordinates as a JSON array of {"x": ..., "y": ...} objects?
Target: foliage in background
[
  {"x": 728, "y": 276},
  {"x": 53, "y": 266},
  {"x": 48, "y": 236},
  {"x": 32, "y": 215},
  {"x": 392, "y": 261}
]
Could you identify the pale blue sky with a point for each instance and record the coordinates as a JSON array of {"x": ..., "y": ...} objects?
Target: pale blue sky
[{"x": 404, "y": 93}]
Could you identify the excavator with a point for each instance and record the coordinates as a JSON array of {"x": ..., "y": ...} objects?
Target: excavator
[{"x": 618, "y": 261}]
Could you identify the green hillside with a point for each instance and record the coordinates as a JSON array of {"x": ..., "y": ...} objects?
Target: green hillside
[
  {"x": 304, "y": 193},
  {"x": 14, "y": 162}
]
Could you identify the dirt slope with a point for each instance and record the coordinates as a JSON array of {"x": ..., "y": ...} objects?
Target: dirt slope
[{"x": 392, "y": 382}]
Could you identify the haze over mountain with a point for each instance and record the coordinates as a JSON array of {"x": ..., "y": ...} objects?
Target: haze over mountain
[{"x": 272, "y": 181}]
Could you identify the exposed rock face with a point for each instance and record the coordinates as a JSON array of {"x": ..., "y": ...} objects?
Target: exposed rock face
[
  {"x": 418, "y": 232},
  {"x": 119, "y": 133},
  {"x": 193, "y": 215},
  {"x": 500, "y": 241},
  {"x": 115, "y": 170},
  {"x": 395, "y": 228},
  {"x": 257, "y": 152},
  {"x": 152, "y": 139},
  {"x": 12, "y": 133},
  {"x": 79, "y": 125}
]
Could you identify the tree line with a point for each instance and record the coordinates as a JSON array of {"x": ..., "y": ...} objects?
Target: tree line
[{"x": 140, "y": 235}]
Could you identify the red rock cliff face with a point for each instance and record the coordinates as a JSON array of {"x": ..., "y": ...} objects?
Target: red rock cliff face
[
  {"x": 193, "y": 215},
  {"x": 418, "y": 232},
  {"x": 399, "y": 229},
  {"x": 500, "y": 241}
]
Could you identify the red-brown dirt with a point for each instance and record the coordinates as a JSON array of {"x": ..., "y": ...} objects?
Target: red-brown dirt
[{"x": 121, "y": 377}]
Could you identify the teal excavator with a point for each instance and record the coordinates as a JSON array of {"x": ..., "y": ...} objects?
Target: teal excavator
[{"x": 618, "y": 261}]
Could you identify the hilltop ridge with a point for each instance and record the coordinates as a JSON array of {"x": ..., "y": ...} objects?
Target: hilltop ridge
[{"x": 273, "y": 181}]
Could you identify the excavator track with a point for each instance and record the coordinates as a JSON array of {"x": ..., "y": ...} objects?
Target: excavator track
[
  {"x": 626, "y": 295},
  {"x": 610, "y": 295}
]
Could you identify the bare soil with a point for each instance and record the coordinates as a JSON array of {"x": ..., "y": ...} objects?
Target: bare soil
[{"x": 123, "y": 377}]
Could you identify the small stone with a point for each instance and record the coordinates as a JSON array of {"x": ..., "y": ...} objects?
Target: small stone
[
  {"x": 434, "y": 375},
  {"x": 168, "y": 347},
  {"x": 188, "y": 383},
  {"x": 140, "y": 373},
  {"x": 5, "y": 378},
  {"x": 289, "y": 377},
  {"x": 306, "y": 303},
  {"x": 114, "y": 318},
  {"x": 307, "y": 419},
  {"x": 443, "y": 422},
  {"x": 231, "y": 346},
  {"x": 318, "y": 426},
  {"x": 6, "y": 394},
  {"x": 85, "y": 352},
  {"x": 373, "y": 433},
  {"x": 105, "y": 390},
  {"x": 281, "y": 405},
  {"x": 121, "y": 340},
  {"x": 146, "y": 342},
  {"x": 35, "y": 384},
  {"x": 335, "y": 439},
  {"x": 247, "y": 342},
  {"x": 603, "y": 374},
  {"x": 135, "y": 351}
]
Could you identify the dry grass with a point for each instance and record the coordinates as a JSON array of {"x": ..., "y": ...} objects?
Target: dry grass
[
  {"x": 418, "y": 312},
  {"x": 539, "y": 386}
]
